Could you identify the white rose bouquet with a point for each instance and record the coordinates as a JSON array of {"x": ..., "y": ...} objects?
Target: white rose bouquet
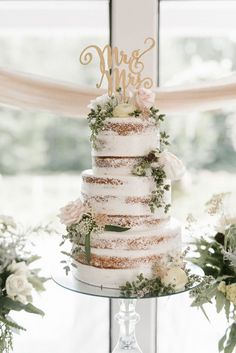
[
  {"x": 17, "y": 279},
  {"x": 216, "y": 255}
]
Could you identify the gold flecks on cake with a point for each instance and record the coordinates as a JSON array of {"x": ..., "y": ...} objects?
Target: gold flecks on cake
[
  {"x": 101, "y": 219},
  {"x": 115, "y": 162},
  {"x": 128, "y": 128},
  {"x": 123, "y": 243},
  {"x": 97, "y": 180},
  {"x": 114, "y": 262},
  {"x": 137, "y": 199},
  {"x": 133, "y": 221}
]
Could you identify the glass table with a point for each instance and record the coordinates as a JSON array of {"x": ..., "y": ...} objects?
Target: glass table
[{"x": 127, "y": 316}]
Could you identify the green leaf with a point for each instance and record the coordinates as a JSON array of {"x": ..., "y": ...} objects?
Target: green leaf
[
  {"x": 227, "y": 309},
  {"x": 37, "y": 283},
  {"x": 33, "y": 259},
  {"x": 88, "y": 247},
  {"x": 112, "y": 228},
  {"x": 221, "y": 342},
  {"x": 231, "y": 342},
  {"x": 8, "y": 321},
  {"x": 220, "y": 301},
  {"x": 11, "y": 304},
  {"x": 30, "y": 308},
  {"x": 204, "y": 313}
]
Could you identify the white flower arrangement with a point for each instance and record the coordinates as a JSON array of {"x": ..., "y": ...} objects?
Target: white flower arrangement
[
  {"x": 216, "y": 255},
  {"x": 81, "y": 224},
  {"x": 139, "y": 103},
  {"x": 17, "y": 279}
]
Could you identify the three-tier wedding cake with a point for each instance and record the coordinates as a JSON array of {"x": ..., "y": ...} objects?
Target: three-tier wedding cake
[{"x": 121, "y": 226}]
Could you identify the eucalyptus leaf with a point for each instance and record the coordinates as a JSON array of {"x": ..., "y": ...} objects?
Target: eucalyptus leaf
[
  {"x": 37, "y": 283},
  {"x": 113, "y": 228},
  {"x": 227, "y": 309},
  {"x": 10, "y": 304},
  {"x": 30, "y": 308},
  {"x": 221, "y": 342},
  {"x": 231, "y": 342},
  {"x": 88, "y": 247},
  {"x": 220, "y": 301},
  {"x": 204, "y": 313},
  {"x": 32, "y": 259}
]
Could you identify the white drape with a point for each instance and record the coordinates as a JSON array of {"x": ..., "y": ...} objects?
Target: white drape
[{"x": 31, "y": 92}]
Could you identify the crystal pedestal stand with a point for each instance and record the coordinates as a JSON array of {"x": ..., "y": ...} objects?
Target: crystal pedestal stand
[
  {"x": 127, "y": 319},
  {"x": 127, "y": 316}
]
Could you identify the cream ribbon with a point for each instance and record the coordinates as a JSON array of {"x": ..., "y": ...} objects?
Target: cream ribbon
[{"x": 31, "y": 92}]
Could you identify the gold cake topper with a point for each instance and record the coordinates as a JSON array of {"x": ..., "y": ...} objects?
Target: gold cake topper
[{"x": 120, "y": 69}]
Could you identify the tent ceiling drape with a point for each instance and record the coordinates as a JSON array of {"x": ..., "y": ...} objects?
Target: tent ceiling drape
[{"x": 31, "y": 92}]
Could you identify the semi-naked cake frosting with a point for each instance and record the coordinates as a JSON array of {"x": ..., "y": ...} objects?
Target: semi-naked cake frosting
[{"x": 122, "y": 225}]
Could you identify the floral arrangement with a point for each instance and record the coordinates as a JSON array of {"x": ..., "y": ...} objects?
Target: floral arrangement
[
  {"x": 176, "y": 278},
  {"x": 216, "y": 255},
  {"x": 161, "y": 165},
  {"x": 17, "y": 278},
  {"x": 81, "y": 223},
  {"x": 140, "y": 103}
]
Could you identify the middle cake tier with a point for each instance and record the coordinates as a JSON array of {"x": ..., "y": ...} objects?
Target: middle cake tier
[{"x": 118, "y": 196}]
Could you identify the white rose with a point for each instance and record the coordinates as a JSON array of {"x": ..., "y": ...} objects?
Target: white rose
[
  {"x": 72, "y": 212},
  {"x": 123, "y": 110},
  {"x": 18, "y": 288},
  {"x": 18, "y": 268},
  {"x": 101, "y": 100},
  {"x": 7, "y": 221},
  {"x": 173, "y": 166},
  {"x": 144, "y": 98},
  {"x": 175, "y": 277}
]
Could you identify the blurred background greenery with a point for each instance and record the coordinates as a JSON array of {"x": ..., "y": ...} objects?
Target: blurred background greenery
[{"x": 37, "y": 148}]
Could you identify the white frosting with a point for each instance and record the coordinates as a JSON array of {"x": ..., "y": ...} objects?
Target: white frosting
[
  {"x": 110, "y": 143},
  {"x": 118, "y": 205},
  {"x": 108, "y": 277},
  {"x": 112, "y": 190},
  {"x": 167, "y": 245},
  {"x": 167, "y": 229},
  {"x": 116, "y": 198},
  {"x": 129, "y": 185},
  {"x": 123, "y": 170}
]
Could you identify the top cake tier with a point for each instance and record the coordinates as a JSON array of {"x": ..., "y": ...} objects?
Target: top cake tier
[{"x": 127, "y": 137}]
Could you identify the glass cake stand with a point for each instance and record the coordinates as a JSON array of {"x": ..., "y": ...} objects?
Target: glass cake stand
[{"x": 127, "y": 316}]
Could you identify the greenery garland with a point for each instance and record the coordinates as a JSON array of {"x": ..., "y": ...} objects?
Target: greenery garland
[{"x": 148, "y": 166}]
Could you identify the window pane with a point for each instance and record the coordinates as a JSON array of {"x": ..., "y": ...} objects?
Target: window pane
[
  {"x": 197, "y": 43},
  {"x": 42, "y": 156}
]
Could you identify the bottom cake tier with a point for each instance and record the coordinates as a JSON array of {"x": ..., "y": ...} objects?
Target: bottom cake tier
[{"x": 120, "y": 257}]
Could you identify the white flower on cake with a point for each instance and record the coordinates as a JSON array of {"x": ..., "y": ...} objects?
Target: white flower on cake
[
  {"x": 175, "y": 277},
  {"x": 19, "y": 268},
  {"x": 123, "y": 110},
  {"x": 172, "y": 166},
  {"x": 7, "y": 221},
  {"x": 101, "y": 100},
  {"x": 18, "y": 288},
  {"x": 144, "y": 98},
  {"x": 72, "y": 213}
]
